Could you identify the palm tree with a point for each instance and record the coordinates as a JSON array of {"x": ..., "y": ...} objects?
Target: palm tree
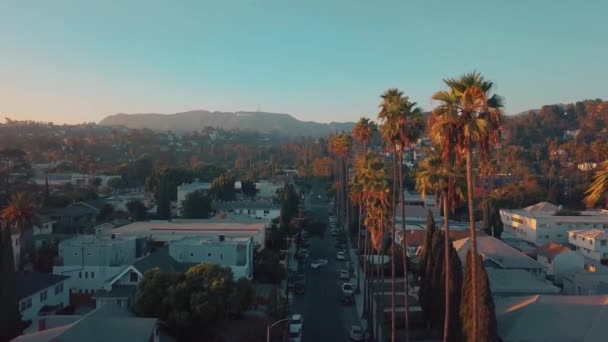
[
  {"x": 362, "y": 132},
  {"x": 439, "y": 176},
  {"x": 18, "y": 215},
  {"x": 340, "y": 145},
  {"x": 468, "y": 116},
  {"x": 599, "y": 187}
]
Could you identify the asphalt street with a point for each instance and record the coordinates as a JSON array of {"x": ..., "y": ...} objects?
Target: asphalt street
[{"x": 325, "y": 317}]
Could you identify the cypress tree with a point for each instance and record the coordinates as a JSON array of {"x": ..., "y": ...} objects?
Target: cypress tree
[
  {"x": 486, "y": 314},
  {"x": 497, "y": 223},
  {"x": 10, "y": 318},
  {"x": 163, "y": 206},
  {"x": 428, "y": 240},
  {"x": 455, "y": 293},
  {"x": 486, "y": 211},
  {"x": 436, "y": 281}
]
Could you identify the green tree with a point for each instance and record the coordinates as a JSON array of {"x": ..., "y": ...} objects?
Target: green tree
[
  {"x": 137, "y": 210},
  {"x": 248, "y": 188},
  {"x": 45, "y": 255},
  {"x": 289, "y": 203},
  {"x": 243, "y": 296},
  {"x": 10, "y": 318},
  {"x": 105, "y": 213},
  {"x": 222, "y": 188},
  {"x": 197, "y": 205},
  {"x": 152, "y": 291},
  {"x": 487, "y": 326}
]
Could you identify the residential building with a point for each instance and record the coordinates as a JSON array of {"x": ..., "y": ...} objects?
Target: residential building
[
  {"x": 106, "y": 323},
  {"x": 15, "y": 242},
  {"x": 236, "y": 253},
  {"x": 43, "y": 226},
  {"x": 91, "y": 260},
  {"x": 541, "y": 318},
  {"x": 585, "y": 283},
  {"x": 257, "y": 209},
  {"x": 120, "y": 289},
  {"x": 592, "y": 243},
  {"x": 415, "y": 238},
  {"x": 187, "y": 188},
  {"x": 268, "y": 189},
  {"x": 41, "y": 293},
  {"x": 539, "y": 223},
  {"x": 164, "y": 231},
  {"x": 559, "y": 261},
  {"x": 497, "y": 254}
]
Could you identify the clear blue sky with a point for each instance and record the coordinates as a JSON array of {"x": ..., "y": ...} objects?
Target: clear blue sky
[{"x": 327, "y": 60}]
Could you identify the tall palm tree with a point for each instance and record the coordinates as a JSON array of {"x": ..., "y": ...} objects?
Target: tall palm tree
[
  {"x": 599, "y": 187},
  {"x": 341, "y": 146},
  {"x": 468, "y": 116},
  {"x": 18, "y": 215},
  {"x": 362, "y": 132},
  {"x": 439, "y": 176}
]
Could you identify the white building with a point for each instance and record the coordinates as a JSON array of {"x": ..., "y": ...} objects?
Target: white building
[
  {"x": 185, "y": 189},
  {"x": 164, "y": 231},
  {"x": 236, "y": 253},
  {"x": 268, "y": 189},
  {"x": 43, "y": 226},
  {"x": 91, "y": 260},
  {"x": 559, "y": 261},
  {"x": 592, "y": 243},
  {"x": 539, "y": 224},
  {"x": 257, "y": 209},
  {"x": 41, "y": 293},
  {"x": 497, "y": 254}
]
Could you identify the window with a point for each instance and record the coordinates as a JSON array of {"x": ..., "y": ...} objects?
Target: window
[
  {"x": 75, "y": 253},
  {"x": 191, "y": 254},
  {"x": 43, "y": 296},
  {"x": 209, "y": 255},
  {"x": 603, "y": 242},
  {"x": 266, "y": 211},
  {"x": 221, "y": 256},
  {"x": 89, "y": 253},
  {"x": 80, "y": 275},
  {"x": 86, "y": 275},
  {"x": 133, "y": 277},
  {"x": 549, "y": 261},
  {"x": 92, "y": 275},
  {"x": 29, "y": 302}
]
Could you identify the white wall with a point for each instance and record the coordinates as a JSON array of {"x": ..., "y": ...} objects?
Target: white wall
[
  {"x": 568, "y": 262},
  {"x": 221, "y": 254},
  {"x": 58, "y": 294},
  {"x": 88, "y": 279}
]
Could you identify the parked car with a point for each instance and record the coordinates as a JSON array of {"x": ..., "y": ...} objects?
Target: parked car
[
  {"x": 340, "y": 255},
  {"x": 347, "y": 289},
  {"x": 295, "y": 334},
  {"x": 344, "y": 274},
  {"x": 296, "y": 321},
  {"x": 318, "y": 263},
  {"x": 356, "y": 333}
]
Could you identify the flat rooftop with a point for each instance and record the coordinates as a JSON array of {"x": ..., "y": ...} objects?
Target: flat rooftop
[
  {"x": 247, "y": 226},
  {"x": 96, "y": 240},
  {"x": 196, "y": 241},
  {"x": 194, "y": 186}
]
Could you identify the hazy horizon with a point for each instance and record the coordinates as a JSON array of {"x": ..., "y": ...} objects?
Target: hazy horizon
[{"x": 67, "y": 62}]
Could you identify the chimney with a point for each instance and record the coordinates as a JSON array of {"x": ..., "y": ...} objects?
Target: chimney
[
  {"x": 221, "y": 237},
  {"x": 42, "y": 324}
]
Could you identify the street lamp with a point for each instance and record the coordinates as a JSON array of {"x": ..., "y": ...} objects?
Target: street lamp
[{"x": 272, "y": 325}]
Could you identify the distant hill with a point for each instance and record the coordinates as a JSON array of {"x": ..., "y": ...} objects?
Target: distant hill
[{"x": 282, "y": 124}]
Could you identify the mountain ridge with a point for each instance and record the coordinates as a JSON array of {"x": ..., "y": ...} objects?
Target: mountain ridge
[{"x": 281, "y": 123}]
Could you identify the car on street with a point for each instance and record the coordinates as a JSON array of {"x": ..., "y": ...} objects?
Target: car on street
[
  {"x": 344, "y": 274},
  {"x": 295, "y": 334},
  {"x": 296, "y": 321},
  {"x": 347, "y": 289},
  {"x": 318, "y": 263},
  {"x": 356, "y": 333},
  {"x": 340, "y": 255}
]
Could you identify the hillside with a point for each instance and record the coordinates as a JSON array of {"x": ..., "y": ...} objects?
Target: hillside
[{"x": 282, "y": 124}]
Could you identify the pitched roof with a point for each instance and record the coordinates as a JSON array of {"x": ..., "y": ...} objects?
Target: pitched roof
[
  {"x": 542, "y": 206},
  {"x": 159, "y": 259},
  {"x": 415, "y": 237},
  {"x": 28, "y": 283},
  {"x": 552, "y": 250},
  {"x": 499, "y": 252},
  {"x": 518, "y": 282},
  {"x": 96, "y": 204},
  {"x": 118, "y": 291},
  {"x": 72, "y": 211},
  {"x": 552, "y": 318}
]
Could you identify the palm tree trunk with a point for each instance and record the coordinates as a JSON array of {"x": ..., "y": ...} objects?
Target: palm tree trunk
[
  {"x": 446, "y": 241},
  {"x": 392, "y": 232},
  {"x": 365, "y": 275},
  {"x": 375, "y": 294},
  {"x": 473, "y": 240},
  {"x": 359, "y": 239},
  {"x": 404, "y": 242},
  {"x": 382, "y": 278},
  {"x": 346, "y": 197}
]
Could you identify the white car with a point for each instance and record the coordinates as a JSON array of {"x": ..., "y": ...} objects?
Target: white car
[
  {"x": 340, "y": 256},
  {"x": 318, "y": 263},
  {"x": 356, "y": 333},
  {"x": 295, "y": 334},
  {"x": 296, "y": 321},
  {"x": 344, "y": 274},
  {"x": 347, "y": 289}
]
